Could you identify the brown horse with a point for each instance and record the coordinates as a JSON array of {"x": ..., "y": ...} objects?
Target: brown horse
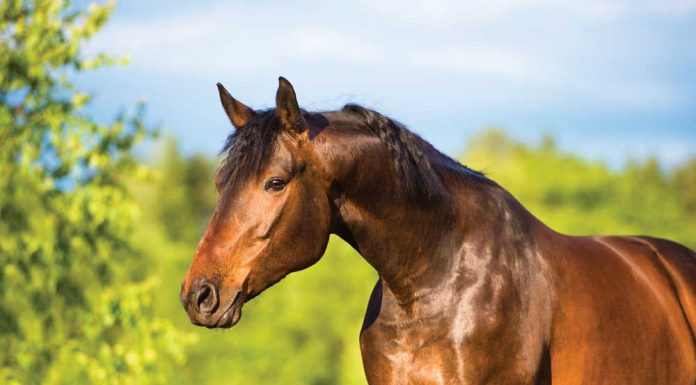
[{"x": 473, "y": 288}]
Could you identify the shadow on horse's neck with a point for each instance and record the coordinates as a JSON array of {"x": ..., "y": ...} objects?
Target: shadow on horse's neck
[{"x": 418, "y": 249}]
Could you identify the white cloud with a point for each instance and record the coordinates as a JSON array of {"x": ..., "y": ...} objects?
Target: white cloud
[
  {"x": 322, "y": 42},
  {"x": 447, "y": 13},
  {"x": 633, "y": 95},
  {"x": 504, "y": 40},
  {"x": 480, "y": 60},
  {"x": 210, "y": 42},
  {"x": 229, "y": 39}
]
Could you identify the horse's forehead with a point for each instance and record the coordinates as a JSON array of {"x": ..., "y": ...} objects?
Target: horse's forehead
[
  {"x": 285, "y": 149},
  {"x": 289, "y": 150}
]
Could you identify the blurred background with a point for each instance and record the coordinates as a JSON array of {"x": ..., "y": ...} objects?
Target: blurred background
[{"x": 110, "y": 128}]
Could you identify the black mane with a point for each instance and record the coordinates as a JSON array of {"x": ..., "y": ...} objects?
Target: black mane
[
  {"x": 250, "y": 147},
  {"x": 415, "y": 173}
]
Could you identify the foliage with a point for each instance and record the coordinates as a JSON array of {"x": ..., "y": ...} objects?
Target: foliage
[
  {"x": 578, "y": 196},
  {"x": 683, "y": 180},
  {"x": 71, "y": 310},
  {"x": 185, "y": 194}
]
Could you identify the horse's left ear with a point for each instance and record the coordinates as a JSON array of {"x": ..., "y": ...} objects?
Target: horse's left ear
[
  {"x": 287, "y": 107},
  {"x": 239, "y": 114}
]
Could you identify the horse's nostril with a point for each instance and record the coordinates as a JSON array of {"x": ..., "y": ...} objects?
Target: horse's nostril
[
  {"x": 205, "y": 298},
  {"x": 202, "y": 295}
]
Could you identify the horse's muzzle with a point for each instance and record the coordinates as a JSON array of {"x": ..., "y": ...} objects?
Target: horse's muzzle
[{"x": 202, "y": 301}]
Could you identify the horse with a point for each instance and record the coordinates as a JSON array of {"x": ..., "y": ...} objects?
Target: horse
[{"x": 472, "y": 289}]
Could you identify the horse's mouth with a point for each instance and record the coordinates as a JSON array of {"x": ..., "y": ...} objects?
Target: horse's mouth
[{"x": 232, "y": 314}]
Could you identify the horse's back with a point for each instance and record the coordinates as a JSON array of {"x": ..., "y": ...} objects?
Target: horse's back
[
  {"x": 679, "y": 263},
  {"x": 625, "y": 313}
]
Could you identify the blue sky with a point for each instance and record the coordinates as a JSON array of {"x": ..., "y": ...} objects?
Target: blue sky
[{"x": 608, "y": 79}]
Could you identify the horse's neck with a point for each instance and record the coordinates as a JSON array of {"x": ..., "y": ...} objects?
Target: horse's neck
[{"x": 477, "y": 230}]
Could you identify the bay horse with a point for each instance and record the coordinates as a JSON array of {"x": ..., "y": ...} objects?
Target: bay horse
[{"x": 473, "y": 289}]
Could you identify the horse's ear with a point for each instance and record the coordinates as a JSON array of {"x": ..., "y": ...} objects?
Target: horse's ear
[
  {"x": 238, "y": 113},
  {"x": 287, "y": 107}
]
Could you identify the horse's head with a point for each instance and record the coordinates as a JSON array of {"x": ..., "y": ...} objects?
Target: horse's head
[{"x": 273, "y": 216}]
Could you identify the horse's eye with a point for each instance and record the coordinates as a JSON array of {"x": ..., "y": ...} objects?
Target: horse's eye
[{"x": 275, "y": 185}]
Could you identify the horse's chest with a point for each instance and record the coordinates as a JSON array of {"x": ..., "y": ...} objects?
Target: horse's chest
[
  {"x": 439, "y": 354},
  {"x": 405, "y": 357}
]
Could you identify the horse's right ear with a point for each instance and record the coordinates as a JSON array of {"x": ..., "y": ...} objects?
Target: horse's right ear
[
  {"x": 287, "y": 107},
  {"x": 238, "y": 113}
]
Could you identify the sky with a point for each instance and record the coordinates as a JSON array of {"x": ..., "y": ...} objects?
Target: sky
[{"x": 608, "y": 80}]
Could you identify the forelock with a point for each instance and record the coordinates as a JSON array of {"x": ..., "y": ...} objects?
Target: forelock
[{"x": 248, "y": 149}]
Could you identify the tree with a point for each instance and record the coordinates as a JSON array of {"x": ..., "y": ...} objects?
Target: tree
[
  {"x": 186, "y": 194},
  {"x": 683, "y": 180},
  {"x": 578, "y": 196},
  {"x": 71, "y": 310}
]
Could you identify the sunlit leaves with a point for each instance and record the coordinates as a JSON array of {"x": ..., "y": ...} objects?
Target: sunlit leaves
[
  {"x": 71, "y": 308},
  {"x": 579, "y": 196}
]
